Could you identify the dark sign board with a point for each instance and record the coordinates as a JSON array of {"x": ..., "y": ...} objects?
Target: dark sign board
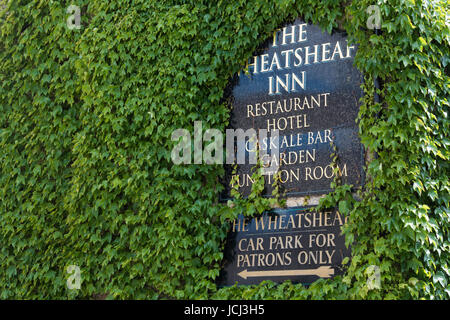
[
  {"x": 304, "y": 84},
  {"x": 294, "y": 244}
]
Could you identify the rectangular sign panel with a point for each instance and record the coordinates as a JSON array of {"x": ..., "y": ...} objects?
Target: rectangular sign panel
[
  {"x": 302, "y": 83},
  {"x": 294, "y": 244}
]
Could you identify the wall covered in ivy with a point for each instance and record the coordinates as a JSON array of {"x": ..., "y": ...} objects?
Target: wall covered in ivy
[{"x": 86, "y": 117}]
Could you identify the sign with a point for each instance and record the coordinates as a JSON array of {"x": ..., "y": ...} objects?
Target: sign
[
  {"x": 285, "y": 244},
  {"x": 303, "y": 84}
]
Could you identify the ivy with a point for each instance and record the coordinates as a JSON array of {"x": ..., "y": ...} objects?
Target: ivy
[{"x": 86, "y": 177}]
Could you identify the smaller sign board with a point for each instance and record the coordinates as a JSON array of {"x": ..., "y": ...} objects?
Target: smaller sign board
[{"x": 296, "y": 244}]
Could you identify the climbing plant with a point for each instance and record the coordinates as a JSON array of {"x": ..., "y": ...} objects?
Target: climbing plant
[{"x": 86, "y": 177}]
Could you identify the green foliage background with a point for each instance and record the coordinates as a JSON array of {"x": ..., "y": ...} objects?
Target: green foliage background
[{"x": 85, "y": 123}]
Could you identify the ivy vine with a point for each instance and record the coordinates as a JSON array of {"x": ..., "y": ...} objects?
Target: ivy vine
[{"x": 86, "y": 177}]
